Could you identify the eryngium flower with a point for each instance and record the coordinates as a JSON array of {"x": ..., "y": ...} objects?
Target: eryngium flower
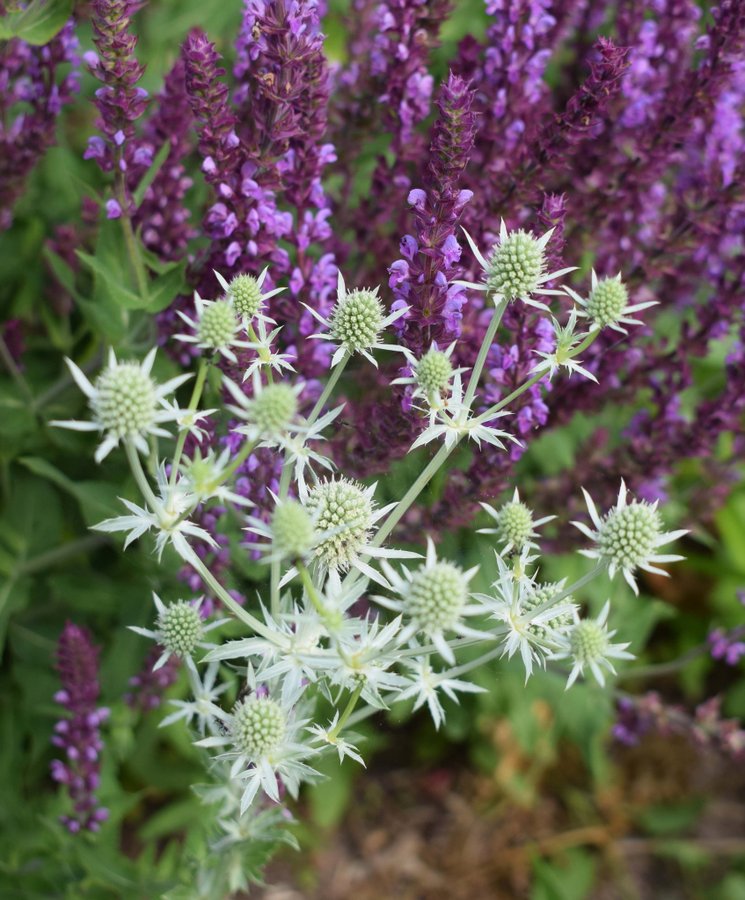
[
  {"x": 515, "y": 526},
  {"x": 345, "y": 508},
  {"x": 628, "y": 536},
  {"x": 607, "y": 306},
  {"x": 126, "y": 403},
  {"x": 588, "y": 643}
]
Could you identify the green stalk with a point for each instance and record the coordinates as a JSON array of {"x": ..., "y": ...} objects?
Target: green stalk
[
  {"x": 349, "y": 709},
  {"x": 196, "y": 395},
  {"x": 135, "y": 465},
  {"x": 330, "y": 385},
  {"x": 310, "y": 589},
  {"x": 478, "y": 368},
  {"x": 238, "y": 611}
]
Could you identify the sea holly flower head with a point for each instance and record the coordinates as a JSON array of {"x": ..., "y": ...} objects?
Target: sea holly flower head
[
  {"x": 206, "y": 477},
  {"x": 270, "y": 412},
  {"x": 204, "y": 697},
  {"x": 356, "y": 322},
  {"x": 628, "y": 537},
  {"x": 435, "y": 600},
  {"x": 179, "y": 630},
  {"x": 607, "y": 305},
  {"x": 246, "y": 294},
  {"x": 344, "y": 512},
  {"x": 126, "y": 403},
  {"x": 216, "y": 327},
  {"x": 292, "y": 531},
  {"x": 587, "y": 642},
  {"x": 565, "y": 347},
  {"x": 515, "y": 268},
  {"x": 267, "y": 356},
  {"x": 259, "y": 738},
  {"x": 431, "y": 375},
  {"x": 515, "y": 525},
  {"x": 345, "y": 508},
  {"x": 425, "y": 683}
]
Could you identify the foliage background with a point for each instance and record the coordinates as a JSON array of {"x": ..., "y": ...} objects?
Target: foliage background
[{"x": 521, "y": 794}]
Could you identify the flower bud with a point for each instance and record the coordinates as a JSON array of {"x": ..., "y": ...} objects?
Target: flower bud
[{"x": 258, "y": 726}]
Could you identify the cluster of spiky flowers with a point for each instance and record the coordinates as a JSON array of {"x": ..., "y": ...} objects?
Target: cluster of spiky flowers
[{"x": 318, "y": 630}]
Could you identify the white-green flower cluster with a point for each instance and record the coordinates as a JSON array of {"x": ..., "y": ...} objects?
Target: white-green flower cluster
[{"x": 329, "y": 629}]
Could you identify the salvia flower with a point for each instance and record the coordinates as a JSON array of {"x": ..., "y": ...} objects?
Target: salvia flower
[
  {"x": 588, "y": 643},
  {"x": 78, "y": 734},
  {"x": 126, "y": 403},
  {"x": 356, "y": 323},
  {"x": 179, "y": 630},
  {"x": 435, "y": 600},
  {"x": 628, "y": 536},
  {"x": 515, "y": 525},
  {"x": 515, "y": 267},
  {"x": 608, "y": 306}
]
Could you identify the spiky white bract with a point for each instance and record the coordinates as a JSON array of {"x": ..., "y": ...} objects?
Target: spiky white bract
[
  {"x": 206, "y": 477},
  {"x": 607, "y": 304},
  {"x": 515, "y": 525},
  {"x": 260, "y": 741},
  {"x": 329, "y": 737},
  {"x": 434, "y": 598},
  {"x": 166, "y": 518},
  {"x": 126, "y": 403},
  {"x": 587, "y": 642},
  {"x": 344, "y": 510},
  {"x": 189, "y": 420},
  {"x": 515, "y": 267},
  {"x": 454, "y": 422},
  {"x": 179, "y": 629},
  {"x": 247, "y": 295},
  {"x": 527, "y": 628},
  {"x": 425, "y": 684},
  {"x": 628, "y": 536},
  {"x": 267, "y": 357},
  {"x": 356, "y": 323},
  {"x": 300, "y": 452},
  {"x": 215, "y": 328},
  {"x": 202, "y": 704},
  {"x": 566, "y": 343}
]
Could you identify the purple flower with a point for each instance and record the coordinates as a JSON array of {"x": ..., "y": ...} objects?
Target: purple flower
[{"x": 78, "y": 734}]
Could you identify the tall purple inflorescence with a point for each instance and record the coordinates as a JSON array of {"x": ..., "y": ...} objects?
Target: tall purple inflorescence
[
  {"x": 33, "y": 91},
  {"x": 163, "y": 215},
  {"x": 78, "y": 733},
  {"x": 422, "y": 278},
  {"x": 120, "y": 101}
]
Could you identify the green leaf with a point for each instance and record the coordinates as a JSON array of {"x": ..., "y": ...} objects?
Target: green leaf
[
  {"x": 38, "y": 23},
  {"x": 97, "y": 499},
  {"x": 149, "y": 176}
]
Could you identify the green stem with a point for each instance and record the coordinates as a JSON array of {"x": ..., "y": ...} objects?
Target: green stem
[
  {"x": 135, "y": 258},
  {"x": 475, "y": 663},
  {"x": 245, "y": 451},
  {"x": 238, "y": 611},
  {"x": 60, "y": 554},
  {"x": 310, "y": 589},
  {"x": 410, "y": 496},
  {"x": 478, "y": 368},
  {"x": 196, "y": 395},
  {"x": 348, "y": 710},
  {"x": 133, "y": 458},
  {"x": 16, "y": 374},
  {"x": 666, "y": 668},
  {"x": 284, "y": 487},
  {"x": 330, "y": 385}
]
